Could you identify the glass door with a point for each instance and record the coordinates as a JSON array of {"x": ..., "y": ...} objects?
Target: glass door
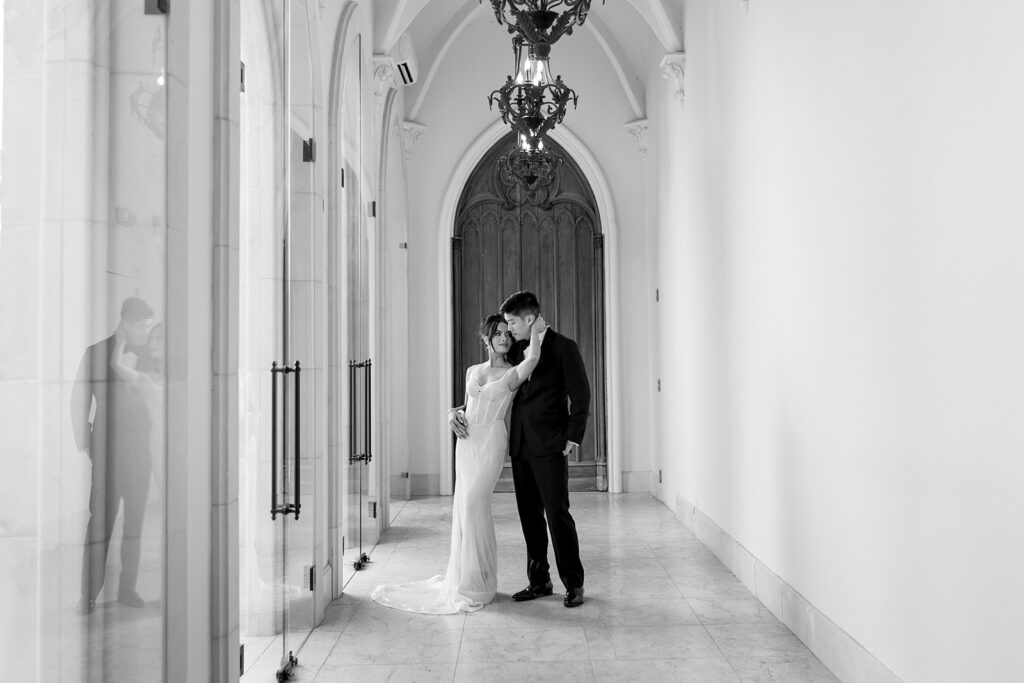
[
  {"x": 83, "y": 382},
  {"x": 359, "y": 508},
  {"x": 280, "y": 377},
  {"x": 304, "y": 295}
]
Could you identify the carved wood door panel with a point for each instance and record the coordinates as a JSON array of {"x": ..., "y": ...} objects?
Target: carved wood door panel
[{"x": 552, "y": 245}]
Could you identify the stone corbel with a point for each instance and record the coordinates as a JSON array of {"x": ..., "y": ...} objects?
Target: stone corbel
[
  {"x": 411, "y": 132},
  {"x": 383, "y": 76},
  {"x": 638, "y": 129},
  {"x": 673, "y": 67}
]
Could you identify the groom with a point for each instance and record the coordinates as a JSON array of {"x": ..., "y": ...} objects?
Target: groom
[{"x": 549, "y": 416}]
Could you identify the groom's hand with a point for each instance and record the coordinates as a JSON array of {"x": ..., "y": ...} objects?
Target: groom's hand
[
  {"x": 457, "y": 421},
  {"x": 569, "y": 445}
]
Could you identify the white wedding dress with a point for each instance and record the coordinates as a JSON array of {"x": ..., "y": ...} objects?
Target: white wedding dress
[{"x": 471, "y": 579}]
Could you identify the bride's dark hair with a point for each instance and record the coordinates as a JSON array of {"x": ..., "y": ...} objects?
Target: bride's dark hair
[{"x": 489, "y": 327}]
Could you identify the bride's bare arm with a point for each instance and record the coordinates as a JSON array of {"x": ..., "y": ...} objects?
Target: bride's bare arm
[{"x": 522, "y": 372}]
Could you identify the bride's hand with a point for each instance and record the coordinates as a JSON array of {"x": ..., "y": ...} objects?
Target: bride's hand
[{"x": 539, "y": 325}]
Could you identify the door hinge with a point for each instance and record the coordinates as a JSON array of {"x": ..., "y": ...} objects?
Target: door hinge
[
  {"x": 403, "y": 245},
  {"x": 309, "y": 150},
  {"x": 343, "y": 546},
  {"x": 243, "y": 76},
  {"x": 659, "y": 384},
  {"x": 372, "y": 505},
  {"x": 372, "y": 209},
  {"x": 343, "y": 177},
  {"x": 241, "y": 659},
  {"x": 312, "y": 578},
  {"x": 657, "y": 295},
  {"x": 157, "y": 6}
]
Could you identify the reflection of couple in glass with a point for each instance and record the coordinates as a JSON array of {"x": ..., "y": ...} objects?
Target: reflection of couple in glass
[{"x": 117, "y": 418}]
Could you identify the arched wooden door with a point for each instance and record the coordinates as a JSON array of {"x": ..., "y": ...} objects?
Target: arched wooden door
[{"x": 552, "y": 245}]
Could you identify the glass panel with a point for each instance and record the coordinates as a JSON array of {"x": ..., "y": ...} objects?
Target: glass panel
[
  {"x": 356, "y": 519},
  {"x": 305, "y": 294},
  {"x": 262, "y": 583},
  {"x": 281, "y": 289},
  {"x": 393, "y": 310},
  {"x": 83, "y": 261}
]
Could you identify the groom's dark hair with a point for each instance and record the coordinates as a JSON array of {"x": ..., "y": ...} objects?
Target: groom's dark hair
[
  {"x": 520, "y": 304},
  {"x": 134, "y": 309}
]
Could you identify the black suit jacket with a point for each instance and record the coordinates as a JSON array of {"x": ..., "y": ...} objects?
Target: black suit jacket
[
  {"x": 552, "y": 407},
  {"x": 120, "y": 423}
]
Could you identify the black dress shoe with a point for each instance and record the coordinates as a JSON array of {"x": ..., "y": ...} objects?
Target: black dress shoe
[
  {"x": 573, "y": 597},
  {"x": 533, "y": 592},
  {"x": 130, "y": 598},
  {"x": 86, "y": 606}
]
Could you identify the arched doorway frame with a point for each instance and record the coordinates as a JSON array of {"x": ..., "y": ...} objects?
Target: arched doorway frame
[
  {"x": 609, "y": 223},
  {"x": 388, "y": 288},
  {"x": 348, "y": 53}
]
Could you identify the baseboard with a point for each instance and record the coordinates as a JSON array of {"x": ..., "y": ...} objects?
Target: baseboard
[{"x": 836, "y": 648}]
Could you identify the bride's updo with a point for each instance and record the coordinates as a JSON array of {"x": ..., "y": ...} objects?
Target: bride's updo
[{"x": 489, "y": 327}]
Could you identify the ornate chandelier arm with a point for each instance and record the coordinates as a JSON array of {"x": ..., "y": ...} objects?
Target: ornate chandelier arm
[{"x": 541, "y": 22}]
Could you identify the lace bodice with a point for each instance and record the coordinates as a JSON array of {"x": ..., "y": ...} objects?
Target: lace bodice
[{"x": 488, "y": 403}]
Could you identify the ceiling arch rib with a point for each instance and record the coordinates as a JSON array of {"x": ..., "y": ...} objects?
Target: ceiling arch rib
[
  {"x": 396, "y": 16},
  {"x": 394, "y": 19},
  {"x": 440, "y": 47},
  {"x": 657, "y": 17},
  {"x": 606, "y": 39}
]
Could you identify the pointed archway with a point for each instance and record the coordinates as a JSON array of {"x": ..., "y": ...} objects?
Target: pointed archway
[{"x": 551, "y": 244}]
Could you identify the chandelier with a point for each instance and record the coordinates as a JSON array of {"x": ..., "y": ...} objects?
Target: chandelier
[
  {"x": 530, "y": 166},
  {"x": 541, "y": 22},
  {"x": 532, "y": 104}
]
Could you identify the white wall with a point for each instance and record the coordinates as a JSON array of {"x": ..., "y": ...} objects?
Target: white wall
[
  {"x": 839, "y": 256},
  {"x": 456, "y": 113}
]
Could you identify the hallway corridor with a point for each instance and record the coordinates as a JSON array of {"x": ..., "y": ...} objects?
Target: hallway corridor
[{"x": 660, "y": 607}]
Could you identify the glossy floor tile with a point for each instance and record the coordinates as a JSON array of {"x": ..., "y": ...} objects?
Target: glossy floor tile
[{"x": 659, "y": 607}]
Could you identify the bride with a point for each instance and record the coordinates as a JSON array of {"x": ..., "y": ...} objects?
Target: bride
[{"x": 471, "y": 579}]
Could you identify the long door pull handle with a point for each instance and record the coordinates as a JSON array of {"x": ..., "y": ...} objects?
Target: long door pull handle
[
  {"x": 298, "y": 432},
  {"x": 275, "y": 508},
  {"x": 273, "y": 439}
]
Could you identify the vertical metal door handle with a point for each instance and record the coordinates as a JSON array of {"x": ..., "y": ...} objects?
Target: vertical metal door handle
[
  {"x": 351, "y": 411},
  {"x": 275, "y": 509},
  {"x": 298, "y": 432},
  {"x": 273, "y": 439},
  {"x": 369, "y": 408}
]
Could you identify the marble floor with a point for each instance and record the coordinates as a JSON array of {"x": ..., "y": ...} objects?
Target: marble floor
[{"x": 659, "y": 607}]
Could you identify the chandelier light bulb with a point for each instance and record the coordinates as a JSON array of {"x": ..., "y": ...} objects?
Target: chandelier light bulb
[{"x": 539, "y": 72}]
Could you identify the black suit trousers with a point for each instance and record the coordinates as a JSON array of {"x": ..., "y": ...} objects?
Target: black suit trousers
[
  {"x": 115, "y": 479},
  {"x": 542, "y": 488}
]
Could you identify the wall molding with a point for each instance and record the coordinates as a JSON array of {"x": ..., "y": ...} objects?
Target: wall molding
[
  {"x": 411, "y": 133},
  {"x": 673, "y": 68},
  {"x": 640, "y": 130},
  {"x": 836, "y": 648}
]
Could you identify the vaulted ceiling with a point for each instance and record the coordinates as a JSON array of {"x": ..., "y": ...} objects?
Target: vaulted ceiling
[{"x": 624, "y": 30}]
